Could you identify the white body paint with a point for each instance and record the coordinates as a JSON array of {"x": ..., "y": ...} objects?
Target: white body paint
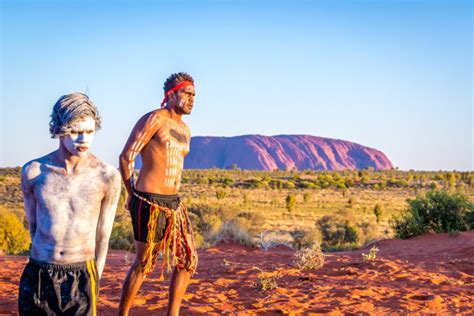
[
  {"x": 70, "y": 201},
  {"x": 79, "y": 140},
  {"x": 163, "y": 144}
]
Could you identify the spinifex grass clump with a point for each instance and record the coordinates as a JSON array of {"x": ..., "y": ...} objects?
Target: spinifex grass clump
[
  {"x": 310, "y": 258},
  {"x": 438, "y": 212},
  {"x": 372, "y": 255},
  {"x": 266, "y": 280}
]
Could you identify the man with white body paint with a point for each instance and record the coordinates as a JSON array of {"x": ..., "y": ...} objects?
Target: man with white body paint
[
  {"x": 70, "y": 200},
  {"x": 160, "y": 220}
]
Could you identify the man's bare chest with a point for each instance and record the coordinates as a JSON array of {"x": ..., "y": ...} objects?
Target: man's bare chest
[
  {"x": 173, "y": 138},
  {"x": 53, "y": 189}
]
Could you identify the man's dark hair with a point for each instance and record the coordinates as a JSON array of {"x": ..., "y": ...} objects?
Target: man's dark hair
[{"x": 176, "y": 78}]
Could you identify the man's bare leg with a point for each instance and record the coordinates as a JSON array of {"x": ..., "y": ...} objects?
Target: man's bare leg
[
  {"x": 178, "y": 285},
  {"x": 134, "y": 279}
]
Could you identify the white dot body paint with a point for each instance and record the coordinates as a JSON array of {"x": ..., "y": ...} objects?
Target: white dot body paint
[{"x": 79, "y": 140}]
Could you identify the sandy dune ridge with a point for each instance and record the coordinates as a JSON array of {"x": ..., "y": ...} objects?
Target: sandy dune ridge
[{"x": 427, "y": 274}]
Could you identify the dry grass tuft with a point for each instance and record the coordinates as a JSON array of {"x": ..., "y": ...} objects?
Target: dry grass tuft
[{"x": 311, "y": 258}]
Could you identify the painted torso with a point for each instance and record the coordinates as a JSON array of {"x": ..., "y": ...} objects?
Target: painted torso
[
  {"x": 163, "y": 157},
  {"x": 67, "y": 209}
]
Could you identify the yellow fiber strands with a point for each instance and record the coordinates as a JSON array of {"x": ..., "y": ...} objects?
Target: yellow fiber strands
[{"x": 177, "y": 240}]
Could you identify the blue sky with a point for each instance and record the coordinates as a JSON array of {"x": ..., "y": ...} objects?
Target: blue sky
[{"x": 392, "y": 75}]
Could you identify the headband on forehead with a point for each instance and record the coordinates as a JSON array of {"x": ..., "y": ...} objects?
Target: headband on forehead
[{"x": 177, "y": 87}]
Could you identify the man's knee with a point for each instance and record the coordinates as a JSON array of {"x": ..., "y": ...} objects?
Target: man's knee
[{"x": 138, "y": 266}]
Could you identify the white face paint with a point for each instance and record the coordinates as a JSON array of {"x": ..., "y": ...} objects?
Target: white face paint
[{"x": 79, "y": 140}]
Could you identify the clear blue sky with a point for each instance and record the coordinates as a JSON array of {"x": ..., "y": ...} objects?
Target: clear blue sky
[{"x": 392, "y": 75}]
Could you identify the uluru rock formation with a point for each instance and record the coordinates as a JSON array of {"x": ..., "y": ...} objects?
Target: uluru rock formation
[{"x": 284, "y": 152}]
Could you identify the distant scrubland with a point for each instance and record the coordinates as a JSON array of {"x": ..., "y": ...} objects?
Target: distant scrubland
[{"x": 339, "y": 209}]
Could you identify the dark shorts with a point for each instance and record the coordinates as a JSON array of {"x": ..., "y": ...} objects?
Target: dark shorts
[
  {"x": 140, "y": 212},
  {"x": 162, "y": 222},
  {"x": 58, "y": 289}
]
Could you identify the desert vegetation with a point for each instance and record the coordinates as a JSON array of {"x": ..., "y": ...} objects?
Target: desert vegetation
[{"x": 336, "y": 209}]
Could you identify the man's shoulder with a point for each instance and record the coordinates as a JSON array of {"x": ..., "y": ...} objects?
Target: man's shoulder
[
  {"x": 108, "y": 172},
  {"x": 32, "y": 168},
  {"x": 154, "y": 115}
]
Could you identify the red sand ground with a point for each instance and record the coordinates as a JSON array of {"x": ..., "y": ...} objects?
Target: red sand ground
[{"x": 427, "y": 274}]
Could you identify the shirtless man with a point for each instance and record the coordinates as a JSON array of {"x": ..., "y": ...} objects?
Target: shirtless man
[
  {"x": 70, "y": 201},
  {"x": 159, "y": 217}
]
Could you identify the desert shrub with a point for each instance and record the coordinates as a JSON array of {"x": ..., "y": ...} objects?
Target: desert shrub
[
  {"x": 202, "y": 180},
  {"x": 290, "y": 202},
  {"x": 397, "y": 183},
  {"x": 307, "y": 185},
  {"x": 276, "y": 184},
  {"x": 306, "y": 238},
  {"x": 338, "y": 231},
  {"x": 349, "y": 183},
  {"x": 199, "y": 241},
  {"x": 253, "y": 221},
  {"x": 227, "y": 182},
  {"x": 210, "y": 225},
  {"x": 122, "y": 232},
  {"x": 232, "y": 231},
  {"x": 437, "y": 211},
  {"x": 378, "y": 212},
  {"x": 309, "y": 258},
  {"x": 122, "y": 238},
  {"x": 263, "y": 185},
  {"x": 14, "y": 237},
  {"x": 267, "y": 178},
  {"x": 217, "y": 224},
  {"x": 325, "y": 184},
  {"x": 289, "y": 185},
  {"x": 307, "y": 197},
  {"x": 266, "y": 280},
  {"x": 369, "y": 232},
  {"x": 220, "y": 194}
]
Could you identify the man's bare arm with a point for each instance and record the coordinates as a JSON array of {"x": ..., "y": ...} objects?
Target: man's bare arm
[
  {"x": 106, "y": 220},
  {"x": 29, "y": 199},
  {"x": 141, "y": 134}
]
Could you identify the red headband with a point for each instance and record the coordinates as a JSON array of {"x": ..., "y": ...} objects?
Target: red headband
[{"x": 177, "y": 87}]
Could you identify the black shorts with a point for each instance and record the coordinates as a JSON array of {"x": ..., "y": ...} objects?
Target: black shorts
[
  {"x": 58, "y": 289},
  {"x": 162, "y": 222},
  {"x": 140, "y": 213}
]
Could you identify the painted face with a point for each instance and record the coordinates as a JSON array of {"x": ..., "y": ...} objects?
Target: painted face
[
  {"x": 185, "y": 99},
  {"x": 79, "y": 140}
]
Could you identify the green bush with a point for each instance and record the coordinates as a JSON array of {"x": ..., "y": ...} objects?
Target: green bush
[
  {"x": 221, "y": 194},
  {"x": 14, "y": 237},
  {"x": 307, "y": 185},
  {"x": 122, "y": 233},
  {"x": 290, "y": 202},
  {"x": 289, "y": 185},
  {"x": 338, "y": 231},
  {"x": 306, "y": 238},
  {"x": 307, "y": 197},
  {"x": 438, "y": 212},
  {"x": 378, "y": 212}
]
